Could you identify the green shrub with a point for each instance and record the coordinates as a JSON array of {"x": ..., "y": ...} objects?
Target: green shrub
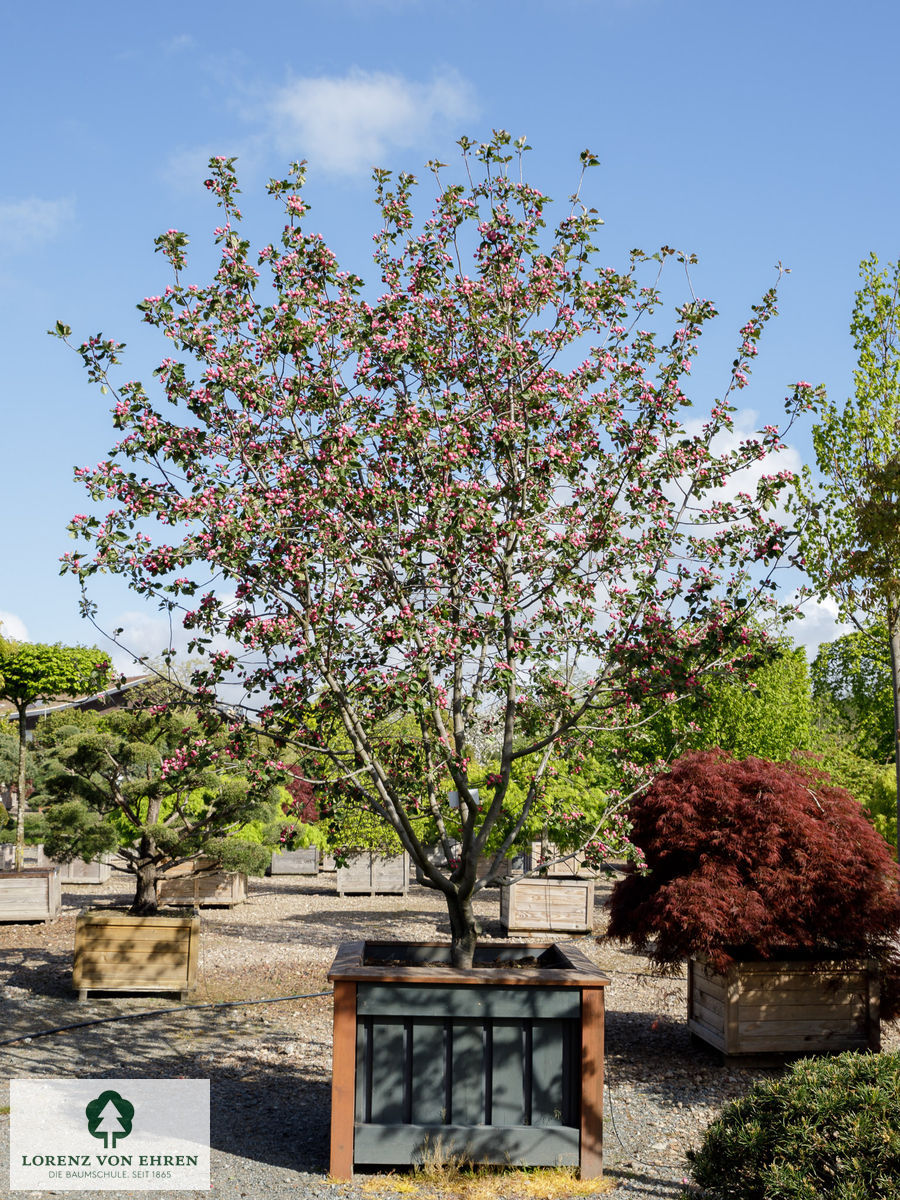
[
  {"x": 236, "y": 854},
  {"x": 829, "y": 1129}
]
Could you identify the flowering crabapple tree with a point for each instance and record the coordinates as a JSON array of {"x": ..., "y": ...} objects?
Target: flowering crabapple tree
[{"x": 461, "y": 499}]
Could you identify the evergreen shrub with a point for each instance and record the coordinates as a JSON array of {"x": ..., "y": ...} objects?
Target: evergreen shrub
[{"x": 829, "y": 1127}]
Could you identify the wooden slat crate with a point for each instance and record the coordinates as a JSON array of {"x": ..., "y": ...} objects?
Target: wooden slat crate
[
  {"x": 811, "y": 1007},
  {"x": 32, "y": 894},
  {"x": 77, "y": 871},
  {"x": 34, "y": 856},
  {"x": 120, "y": 953},
  {"x": 221, "y": 888},
  {"x": 296, "y": 862},
  {"x": 81, "y": 871},
  {"x": 371, "y": 873},
  {"x": 559, "y": 903}
]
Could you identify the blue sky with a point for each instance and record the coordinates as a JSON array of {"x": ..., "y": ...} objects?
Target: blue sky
[{"x": 748, "y": 134}]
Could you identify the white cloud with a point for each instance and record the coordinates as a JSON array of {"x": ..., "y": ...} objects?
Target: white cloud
[
  {"x": 30, "y": 222},
  {"x": 148, "y": 636},
  {"x": 13, "y": 627},
  {"x": 819, "y": 623},
  {"x": 350, "y": 123},
  {"x": 178, "y": 43},
  {"x": 746, "y": 427}
]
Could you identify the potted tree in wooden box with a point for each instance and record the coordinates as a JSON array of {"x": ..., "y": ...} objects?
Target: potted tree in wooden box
[
  {"x": 501, "y": 1062},
  {"x": 780, "y": 896},
  {"x": 431, "y": 509},
  {"x": 161, "y": 790}
]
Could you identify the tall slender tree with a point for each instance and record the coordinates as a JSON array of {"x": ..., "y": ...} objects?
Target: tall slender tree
[
  {"x": 29, "y": 672},
  {"x": 851, "y": 549},
  {"x": 464, "y": 496}
]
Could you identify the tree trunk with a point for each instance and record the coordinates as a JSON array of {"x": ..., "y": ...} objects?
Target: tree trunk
[
  {"x": 463, "y": 929},
  {"x": 894, "y": 633},
  {"x": 145, "y": 899},
  {"x": 20, "y": 808}
]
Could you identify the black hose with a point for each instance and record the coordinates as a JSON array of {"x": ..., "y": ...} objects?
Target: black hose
[{"x": 157, "y": 1012}]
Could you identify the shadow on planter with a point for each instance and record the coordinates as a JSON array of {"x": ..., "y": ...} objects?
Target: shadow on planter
[{"x": 499, "y": 1064}]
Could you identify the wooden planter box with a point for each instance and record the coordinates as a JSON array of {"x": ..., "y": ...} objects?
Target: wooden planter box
[
  {"x": 513, "y": 866},
  {"x": 115, "y": 952},
  {"x": 496, "y": 1064},
  {"x": 81, "y": 871},
  {"x": 558, "y": 903},
  {"x": 296, "y": 862},
  {"x": 784, "y": 1007},
  {"x": 77, "y": 871},
  {"x": 221, "y": 888},
  {"x": 34, "y": 856},
  {"x": 32, "y": 894},
  {"x": 368, "y": 873}
]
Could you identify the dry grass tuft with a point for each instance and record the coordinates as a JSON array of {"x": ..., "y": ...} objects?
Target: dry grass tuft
[{"x": 453, "y": 1180}]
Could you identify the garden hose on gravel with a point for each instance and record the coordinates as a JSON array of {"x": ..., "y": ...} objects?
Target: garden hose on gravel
[{"x": 157, "y": 1012}]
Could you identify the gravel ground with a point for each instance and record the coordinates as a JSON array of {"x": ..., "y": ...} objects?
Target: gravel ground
[{"x": 269, "y": 1065}]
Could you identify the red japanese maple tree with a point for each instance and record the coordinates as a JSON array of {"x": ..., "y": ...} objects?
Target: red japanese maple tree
[{"x": 752, "y": 858}]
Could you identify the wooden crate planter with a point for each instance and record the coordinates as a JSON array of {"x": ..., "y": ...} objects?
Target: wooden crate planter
[
  {"x": 785, "y": 1007},
  {"x": 558, "y": 904},
  {"x": 516, "y": 865},
  {"x": 116, "y": 952},
  {"x": 77, "y": 871},
  {"x": 367, "y": 874},
  {"x": 34, "y": 856},
  {"x": 80, "y": 871},
  {"x": 496, "y": 1064},
  {"x": 218, "y": 889},
  {"x": 296, "y": 862},
  {"x": 32, "y": 894}
]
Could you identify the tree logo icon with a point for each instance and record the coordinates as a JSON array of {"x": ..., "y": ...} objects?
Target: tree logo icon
[{"x": 109, "y": 1116}]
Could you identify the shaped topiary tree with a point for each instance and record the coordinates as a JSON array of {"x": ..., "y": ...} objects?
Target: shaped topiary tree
[
  {"x": 749, "y": 858},
  {"x": 153, "y": 784}
]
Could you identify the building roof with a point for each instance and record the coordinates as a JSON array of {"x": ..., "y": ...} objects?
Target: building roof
[{"x": 111, "y": 697}]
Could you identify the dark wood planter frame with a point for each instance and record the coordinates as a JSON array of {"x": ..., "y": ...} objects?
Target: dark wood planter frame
[{"x": 498, "y": 1064}]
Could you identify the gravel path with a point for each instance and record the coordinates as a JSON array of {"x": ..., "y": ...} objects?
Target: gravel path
[{"x": 269, "y": 1065}]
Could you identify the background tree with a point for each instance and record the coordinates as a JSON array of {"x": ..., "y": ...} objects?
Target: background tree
[
  {"x": 852, "y": 548},
  {"x": 153, "y": 784},
  {"x": 30, "y": 671},
  {"x": 463, "y": 496},
  {"x": 769, "y": 714},
  {"x": 851, "y": 677}
]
